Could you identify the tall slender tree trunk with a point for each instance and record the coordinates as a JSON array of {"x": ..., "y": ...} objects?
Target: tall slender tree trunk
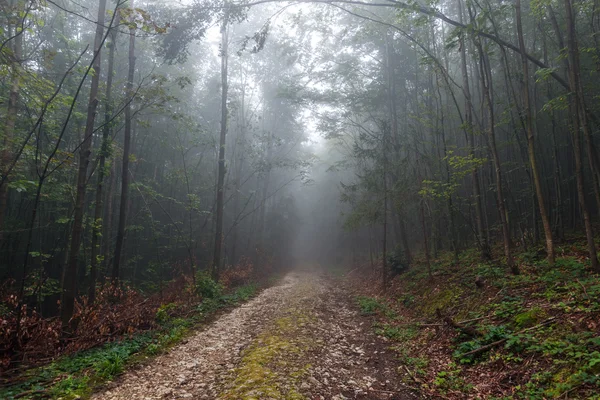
[
  {"x": 557, "y": 216},
  {"x": 124, "y": 204},
  {"x": 584, "y": 123},
  {"x": 578, "y": 115},
  {"x": 260, "y": 231},
  {"x": 482, "y": 237},
  {"x": 108, "y": 218},
  {"x": 70, "y": 274},
  {"x": 216, "y": 266},
  {"x": 486, "y": 85},
  {"x": 240, "y": 161},
  {"x": 10, "y": 121},
  {"x": 384, "y": 268},
  {"x": 403, "y": 236},
  {"x": 98, "y": 222},
  {"x": 449, "y": 201},
  {"x": 425, "y": 236},
  {"x": 531, "y": 141}
]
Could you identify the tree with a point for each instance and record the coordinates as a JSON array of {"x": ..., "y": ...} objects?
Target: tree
[
  {"x": 70, "y": 273},
  {"x": 216, "y": 265},
  {"x": 125, "y": 173}
]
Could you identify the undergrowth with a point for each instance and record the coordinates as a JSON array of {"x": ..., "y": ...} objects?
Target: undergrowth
[
  {"x": 531, "y": 336},
  {"x": 77, "y": 375}
]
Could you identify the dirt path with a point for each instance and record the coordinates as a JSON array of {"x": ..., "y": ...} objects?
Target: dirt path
[{"x": 301, "y": 339}]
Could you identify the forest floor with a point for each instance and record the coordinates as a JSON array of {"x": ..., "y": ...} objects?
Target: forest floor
[
  {"x": 301, "y": 339},
  {"x": 472, "y": 330}
]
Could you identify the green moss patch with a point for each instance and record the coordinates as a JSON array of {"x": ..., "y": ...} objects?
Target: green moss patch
[{"x": 272, "y": 367}]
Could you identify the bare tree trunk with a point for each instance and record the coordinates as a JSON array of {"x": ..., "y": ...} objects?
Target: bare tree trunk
[
  {"x": 108, "y": 221},
  {"x": 482, "y": 237},
  {"x": 425, "y": 237},
  {"x": 578, "y": 115},
  {"x": 70, "y": 275},
  {"x": 11, "y": 118},
  {"x": 486, "y": 81},
  {"x": 531, "y": 141},
  {"x": 404, "y": 238},
  {"x": 124, "y": 205},
  {"x": 265, "y": 192},
  {"x": 558, "y": 219},
  {"x": 449, "y": 202},
  {"x": 216, "y": 267},
  {"x": 241, "y": 158},
  {"x": 98, "y": 223},
  {"x": 384, "y": 270}
]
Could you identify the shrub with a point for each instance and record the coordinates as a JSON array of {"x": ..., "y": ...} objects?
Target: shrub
[
  {"x": 163, "y": 314},
  {"x": 398, "y": 263},
  {"x": 206, "y": 287}
]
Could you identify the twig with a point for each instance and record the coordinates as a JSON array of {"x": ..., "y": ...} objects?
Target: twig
[
  {"x": 465, "y": 329},
  {"x": 498, "y": 342},
  {"x": 583, "y": 287},
  {"x": 413, "y": 377},
  {"x": 384, "y": 391},
  {"x": 499, "y": 291},
  {"x": 475, "y": 319},
  {"x": 35, "y": 393}
]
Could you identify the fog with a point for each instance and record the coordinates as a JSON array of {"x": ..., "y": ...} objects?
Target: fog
[{"x": 155, "y": 142}]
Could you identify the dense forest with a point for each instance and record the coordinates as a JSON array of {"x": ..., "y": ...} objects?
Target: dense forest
[{"x": 150, "y": 149}]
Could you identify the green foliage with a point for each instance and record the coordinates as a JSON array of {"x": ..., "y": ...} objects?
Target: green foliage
[
  {"x": 490, "y": 271},
  {"x": 23, "y": 186},
  {"x": 241, "y": 294},
  {"x": 75, "y": 376},
  {"x": 529, "y": 318},
  {"x": 212, "y": 304},
  {"x": 110, "y": 366},
  {"x": 508, "y": 307},
  {"x": 450, "y": 380},
  {"x": 398, "y": 262},
  {"x": 463, "y": 165},
  {"x": 559, "y": 103},
  {"x": 397, "y": 333},
  {"x": 493, "y": 334},
  {"x": 417, "y": 364},
  {"x": 372, "y": 306},
  {"x": 511, "y": 319},
  {"x": 544, "y": 74},
  {"x": 71, "y": 387},
  {"x": 162, "y": 314},
  {"x": 206, "y": 287},
  {"x": 530, "y": 257},
  {"x": 575, "y": 362},
  {"x": 407, "y": 300},
  {"x": 209, "y": 306},
  {"x": 437, "y": 189}
]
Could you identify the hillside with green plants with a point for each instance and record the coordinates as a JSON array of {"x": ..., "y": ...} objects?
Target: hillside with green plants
[
  {"x": 77, "y": 374},
  {"x": 469, "y": 330}
]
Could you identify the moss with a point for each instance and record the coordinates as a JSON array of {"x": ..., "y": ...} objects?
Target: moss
[
  {"x": 529, "y": 318},
  {"x": 268, "y": 367},
  {"x": 441, "y": 299},
  {"x": 562, "y": 375}
]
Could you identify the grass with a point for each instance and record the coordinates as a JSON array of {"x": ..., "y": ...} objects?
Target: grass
[
  {"x": 76, "y": 376},
  {"x": 373, "y": 306}
]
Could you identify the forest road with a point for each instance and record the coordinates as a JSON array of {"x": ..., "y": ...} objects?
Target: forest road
[{"x": 300, "y": 339}]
